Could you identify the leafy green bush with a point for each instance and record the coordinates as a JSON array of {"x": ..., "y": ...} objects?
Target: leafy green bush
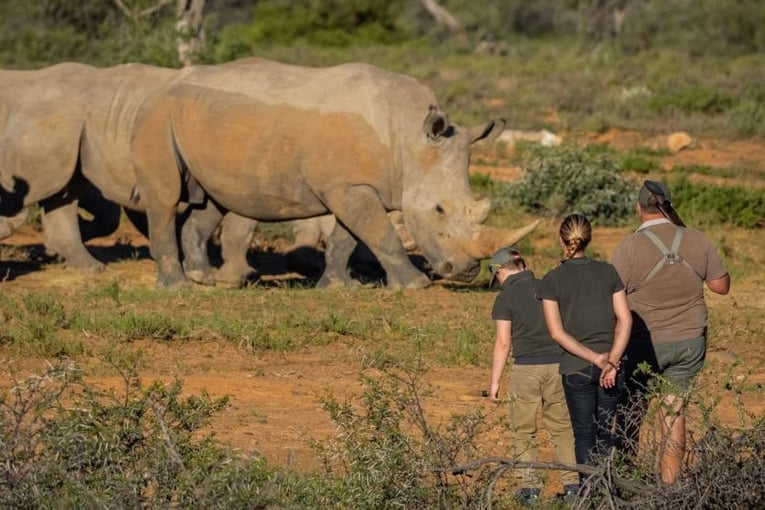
[
  {"x": 692, "y": 99},
  {"x": 704, "y": 205},
  {"x": 735, "y": 26},
  {"x": 387, "y": 454},
  {"x": 318, "y": 22},
  {"x": 640, "y": 161},
  {"x": 64, "y": 444},
  {"x": 568, "y": 178}
]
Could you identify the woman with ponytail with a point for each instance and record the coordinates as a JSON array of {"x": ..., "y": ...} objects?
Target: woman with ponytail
[{"x": 586, "y": 312}]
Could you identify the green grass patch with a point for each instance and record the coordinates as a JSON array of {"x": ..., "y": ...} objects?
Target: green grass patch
[{"x": 705, "y": 205}]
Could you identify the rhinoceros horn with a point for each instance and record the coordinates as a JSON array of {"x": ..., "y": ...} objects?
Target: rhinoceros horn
[{"x": 486, "y": 240}]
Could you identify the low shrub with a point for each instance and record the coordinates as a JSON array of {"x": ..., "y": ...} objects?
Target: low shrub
[
  {"x": 568, "y": 178},
  {"x": 66, "y": 444},
  {"x": 701, "y": 204}
]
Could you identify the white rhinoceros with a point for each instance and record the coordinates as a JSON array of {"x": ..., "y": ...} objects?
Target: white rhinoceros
[
  {"x": 353, "y": 140},
  {"x": 42, "y": 116},
  {"x": 44, "y": 126},
  {"x": 40, "y": 148}
]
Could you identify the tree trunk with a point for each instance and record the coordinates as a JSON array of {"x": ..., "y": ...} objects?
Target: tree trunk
[
  {"x": 188, "y": 26},
  {"x": 445, "y": 18}
]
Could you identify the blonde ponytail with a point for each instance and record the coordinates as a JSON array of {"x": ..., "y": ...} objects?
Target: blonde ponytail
[{"x": 575, "y": 233}]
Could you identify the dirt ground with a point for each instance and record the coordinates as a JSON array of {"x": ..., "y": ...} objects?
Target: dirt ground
[{"x": 274, "y": 397}]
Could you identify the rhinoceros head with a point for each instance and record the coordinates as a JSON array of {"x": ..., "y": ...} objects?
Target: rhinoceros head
[{"x": 438, "y": 205}]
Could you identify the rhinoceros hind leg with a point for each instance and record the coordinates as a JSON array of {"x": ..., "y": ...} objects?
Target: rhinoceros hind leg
[
  {"x": 196, "y": 230},
  {"x": 164, "y": 248},
  {"x": 62, "y": 237},
  {"x": 235, "y": 239}
]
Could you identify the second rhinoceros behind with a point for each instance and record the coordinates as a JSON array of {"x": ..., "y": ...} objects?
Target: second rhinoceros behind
[{"x": 354, "y": 140}]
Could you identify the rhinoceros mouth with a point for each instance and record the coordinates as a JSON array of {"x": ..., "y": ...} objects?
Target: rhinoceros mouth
[{"x": 466, "y": 275}]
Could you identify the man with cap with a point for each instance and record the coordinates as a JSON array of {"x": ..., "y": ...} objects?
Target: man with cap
[
  {"x": 664, "y": 266},
  {"x": 534, "y": 379}
]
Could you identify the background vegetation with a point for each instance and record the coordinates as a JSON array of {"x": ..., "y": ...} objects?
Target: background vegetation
[{"x": 653, "y": 65}]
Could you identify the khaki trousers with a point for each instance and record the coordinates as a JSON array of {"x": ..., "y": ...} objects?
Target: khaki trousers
[{"x": 532, "y": 386}]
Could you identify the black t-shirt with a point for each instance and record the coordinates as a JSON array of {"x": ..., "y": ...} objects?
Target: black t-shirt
[
  {"x": 584, "y": 289},
  {"x": 516, "y": 303}
]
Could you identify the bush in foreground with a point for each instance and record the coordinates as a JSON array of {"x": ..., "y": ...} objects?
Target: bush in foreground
[{"x": 64, "y": 444}]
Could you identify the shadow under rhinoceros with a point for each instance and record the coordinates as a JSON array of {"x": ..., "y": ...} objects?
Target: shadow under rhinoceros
[
  {"x": 303, "y": 267},
  {"x": 119, "y": 252},
  {"x": 17, "y": 261},
  {"x": 20, "y": 260}
]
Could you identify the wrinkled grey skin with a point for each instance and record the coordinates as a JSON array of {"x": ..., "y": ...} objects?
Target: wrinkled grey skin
[
  {"x": 53, "y": 146},
  {"x": 40, "y": 132},
  {"x": 43, "y": 127},
  {"x": 40, "y": 147},
  {"x": 354, "y": 141}
]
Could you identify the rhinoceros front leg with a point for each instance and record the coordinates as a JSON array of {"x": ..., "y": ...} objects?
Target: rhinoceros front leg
[
  {"x": 62, "y": 235},
  {"x": 235, "y": 239},
  {"x": 198, "y": 225},
  {"x": 339, "y": 247},
  {"x": 360, "y": 210}
]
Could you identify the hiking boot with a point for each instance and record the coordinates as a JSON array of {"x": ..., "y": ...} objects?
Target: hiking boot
[
  {"x": 570, "y": 493},
  {"x": 528, "y": 496}
]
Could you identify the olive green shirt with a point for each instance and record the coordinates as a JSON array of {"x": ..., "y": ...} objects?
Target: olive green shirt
[{"x": 584, "y": 290}]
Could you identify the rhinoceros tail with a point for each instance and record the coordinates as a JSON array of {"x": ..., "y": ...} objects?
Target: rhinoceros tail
[
  {"x": 191, "y": 190},
  {"x": 135, "y": 196}
]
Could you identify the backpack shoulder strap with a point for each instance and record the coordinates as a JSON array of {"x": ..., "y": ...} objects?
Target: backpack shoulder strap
[{"x": 669, "y": 256}]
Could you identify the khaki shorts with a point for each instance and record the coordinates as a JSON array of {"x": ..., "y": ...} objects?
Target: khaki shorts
[{"x": 680, "y": 362}]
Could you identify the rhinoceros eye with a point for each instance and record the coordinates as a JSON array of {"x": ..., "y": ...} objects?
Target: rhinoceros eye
[{"x": 440, "y": 210}]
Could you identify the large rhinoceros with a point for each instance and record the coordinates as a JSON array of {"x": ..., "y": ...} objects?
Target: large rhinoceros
[
  {"x": 47, "y": 118},
  {"x": 353, "y": 140},
  {"x": 41, "y": 126}
]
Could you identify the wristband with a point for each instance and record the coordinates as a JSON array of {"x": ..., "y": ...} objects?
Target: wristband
[{"x": 613, "y": 365}]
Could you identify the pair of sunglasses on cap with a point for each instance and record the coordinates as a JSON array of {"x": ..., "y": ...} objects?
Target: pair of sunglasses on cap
[{"x": 663, "y": 203}]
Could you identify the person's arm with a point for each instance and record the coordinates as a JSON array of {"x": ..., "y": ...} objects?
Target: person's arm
[
  {"x": 499, "y": 358},
  {"x": 720, "y": 285},
  {"x": 621, "y": 338},
  {"x": 564, "y": 339}
]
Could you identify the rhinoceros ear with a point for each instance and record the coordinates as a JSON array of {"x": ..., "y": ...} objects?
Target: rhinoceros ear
[
  {"x": 488, "y": 133},
  {"x": 436, "y": 123}
]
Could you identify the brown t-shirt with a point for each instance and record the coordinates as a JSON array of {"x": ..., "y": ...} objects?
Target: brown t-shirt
[{"x": 670, "y": 306}]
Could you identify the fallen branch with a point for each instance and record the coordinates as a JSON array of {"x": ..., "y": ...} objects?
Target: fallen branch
[{"x": 603, "y": 473}]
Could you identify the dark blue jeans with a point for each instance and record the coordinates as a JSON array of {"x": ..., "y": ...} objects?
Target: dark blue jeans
[{"x": 592, "y": 409}]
